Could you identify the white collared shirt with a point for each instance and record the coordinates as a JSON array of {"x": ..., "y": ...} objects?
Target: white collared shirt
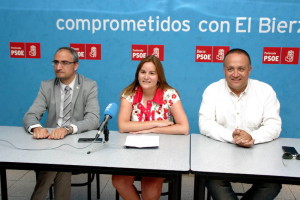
[
  {"x": 61, "y": 106},
  {"x": 255, "y": 111}
]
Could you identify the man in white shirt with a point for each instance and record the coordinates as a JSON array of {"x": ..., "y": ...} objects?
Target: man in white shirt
[{"x": 242, "y": 111}]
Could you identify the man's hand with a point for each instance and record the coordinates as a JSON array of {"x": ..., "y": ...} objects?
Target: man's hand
[
  {"x": 40, "y": 133},
  {"x": 242, "y": 138},
  {"x": 58, "y": 134}
]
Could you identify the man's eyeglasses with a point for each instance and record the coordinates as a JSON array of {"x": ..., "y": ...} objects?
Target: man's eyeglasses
[
  {"x": 287, "y": 155},
  {"x": 63, "y": 63}
]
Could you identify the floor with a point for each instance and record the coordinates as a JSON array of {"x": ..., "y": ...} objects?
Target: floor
[{"x": 21, "y": 183}]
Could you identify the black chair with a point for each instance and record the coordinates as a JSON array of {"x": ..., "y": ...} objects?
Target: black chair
[
  {"x": 88, "y": 183},
  {"x": 167, "y": 180}
]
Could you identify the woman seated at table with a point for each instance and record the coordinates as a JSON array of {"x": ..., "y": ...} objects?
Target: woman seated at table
[{"x": 149, "y": 105}]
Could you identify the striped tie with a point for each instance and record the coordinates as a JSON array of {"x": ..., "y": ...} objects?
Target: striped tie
[{"x": 67, "y": 107}]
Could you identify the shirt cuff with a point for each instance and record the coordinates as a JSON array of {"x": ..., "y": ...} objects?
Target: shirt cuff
[
  {"x": 32, "y": 127},
  {"x": 75, "y": 128}
]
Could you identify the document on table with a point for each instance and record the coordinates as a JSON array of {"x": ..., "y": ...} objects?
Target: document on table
[{"x": 142, "y": 141}]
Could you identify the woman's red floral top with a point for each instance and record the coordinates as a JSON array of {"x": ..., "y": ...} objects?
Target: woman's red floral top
[{"x": 156, "y": 109}]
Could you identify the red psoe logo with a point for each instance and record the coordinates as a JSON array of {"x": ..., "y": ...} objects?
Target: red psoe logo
[
  {"x": 219, "y": 53},
  {"x": 203, "y": 54},
  {"x": 138, "y": 51},
  {"x": 156, "y": 50},
  {"x": 93, "y": 51},
  {"x": 290, "y": 55},
  {"x": 17, "y": 49},
  {"x": 80, "y": 49},
  {"x": 271, "y": 55},
  {"x": 33, "y": 50}
]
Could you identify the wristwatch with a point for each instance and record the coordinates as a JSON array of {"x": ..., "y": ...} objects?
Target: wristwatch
[{"x": 68, "y": 128}]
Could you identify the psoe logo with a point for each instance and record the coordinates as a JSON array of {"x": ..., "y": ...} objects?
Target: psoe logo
[
  {"x": 33, "y": 50},
  {"x": 204, "y": 54},
  {"x": 80, "y": 49},
  {"x": 156, "y": 50},
  {"x": 141, "y": 51},
  {"x": 87, "y": 51},
  {"x": 281, "y": 55},
  {"x": 211, "y": 53},
  {"x": 271, "y": 55},
  {"x": 219, "y": 53},
  {"x": 93, "y": 51},
  {"x": 290, "y": 55},
  {"x": 25, "y": 50}
]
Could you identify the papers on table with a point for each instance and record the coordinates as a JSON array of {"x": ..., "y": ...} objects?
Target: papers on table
[{"x": 142, "y": 141}]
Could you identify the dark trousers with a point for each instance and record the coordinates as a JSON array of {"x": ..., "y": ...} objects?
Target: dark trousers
[{"x": 220, "y": 189}]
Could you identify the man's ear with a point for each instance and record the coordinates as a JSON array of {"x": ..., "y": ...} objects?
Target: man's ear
[
  {"x": 76, "y": 66},
  {"x": 250, "y": 68}
]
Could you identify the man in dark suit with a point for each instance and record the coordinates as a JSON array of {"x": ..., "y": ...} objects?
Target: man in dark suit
[{"x": 82, "y": 115}]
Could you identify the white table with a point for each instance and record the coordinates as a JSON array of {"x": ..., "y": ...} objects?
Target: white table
[
  {"x": 171, "y": 159},
  {"x": 211, "y": 159}
]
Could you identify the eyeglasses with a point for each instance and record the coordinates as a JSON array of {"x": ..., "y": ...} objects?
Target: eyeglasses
[
  {"x": 63, "y": 63},
  {"x": 288, "y": 155}
]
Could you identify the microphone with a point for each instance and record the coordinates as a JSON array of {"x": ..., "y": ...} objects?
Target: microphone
[{"x": 109, "y": 112}]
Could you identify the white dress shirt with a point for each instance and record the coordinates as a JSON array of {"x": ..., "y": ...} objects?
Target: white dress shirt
[
  {"x": 61, "y": 115},
  {"x": 255, "y": 111}
]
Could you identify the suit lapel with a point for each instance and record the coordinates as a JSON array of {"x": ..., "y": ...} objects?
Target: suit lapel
[
  {"x": 57, "y": 99},
  {"x": 75, "y": 92}
]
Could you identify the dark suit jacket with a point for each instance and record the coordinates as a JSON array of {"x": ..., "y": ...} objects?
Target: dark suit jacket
[{"x": 85, "y": 107}]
